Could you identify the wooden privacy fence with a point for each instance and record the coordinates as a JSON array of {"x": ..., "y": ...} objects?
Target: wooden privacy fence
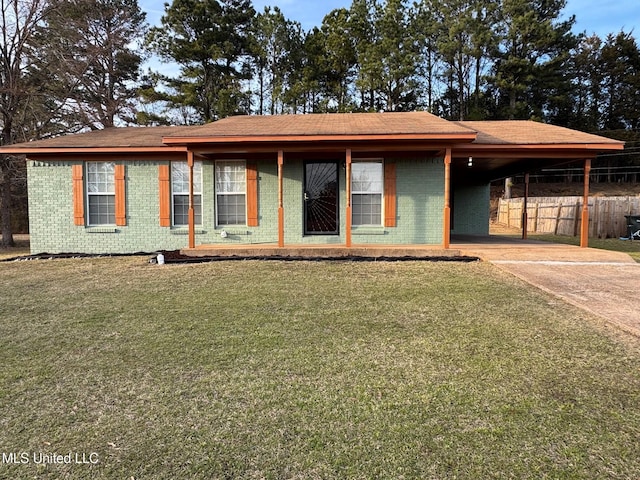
[{"x": 562, "y": 215}]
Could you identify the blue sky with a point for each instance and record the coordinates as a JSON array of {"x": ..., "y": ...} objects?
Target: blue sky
[{"x": 593, "y": 16}]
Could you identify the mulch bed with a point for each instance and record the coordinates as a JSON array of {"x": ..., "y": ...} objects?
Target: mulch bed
[{"x": 174, "y": 256}]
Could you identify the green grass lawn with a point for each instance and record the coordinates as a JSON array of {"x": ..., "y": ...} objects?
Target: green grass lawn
[{"x": 274, "y": 370}]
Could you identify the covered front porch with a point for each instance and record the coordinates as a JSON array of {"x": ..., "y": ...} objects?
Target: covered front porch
[{"x": 463, "y": 157}]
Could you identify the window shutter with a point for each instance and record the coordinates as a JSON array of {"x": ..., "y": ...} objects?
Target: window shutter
[
  {"x": 121, "y": 203},
  {"x": 252, "y": 195},
  {"x": 78, "y": 194},
  {"x": 389, "y": 194},
  {"x": 165, "y": 195}
]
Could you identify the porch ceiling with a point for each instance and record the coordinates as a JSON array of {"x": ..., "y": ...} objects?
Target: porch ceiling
[{"x": 495, "y": 168}]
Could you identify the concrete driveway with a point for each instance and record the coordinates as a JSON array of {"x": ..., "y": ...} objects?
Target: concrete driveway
[{"x": 602, "y": 282}]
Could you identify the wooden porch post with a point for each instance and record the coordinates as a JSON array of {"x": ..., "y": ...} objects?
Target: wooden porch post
[
  {"x": 348, "y": 181},
  {"x": 446, "y": 227},
  {"x": 192, "y": 215},
  {"x": 280, "y": 199},
  {"x": 584, "y": 227},
  {"x": 525, "y": 213}
]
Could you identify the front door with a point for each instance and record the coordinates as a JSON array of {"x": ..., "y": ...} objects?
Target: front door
[{"x": 321, "y": 198}]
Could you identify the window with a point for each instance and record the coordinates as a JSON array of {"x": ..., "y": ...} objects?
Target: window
[
  {"x": 366, "y": 193},
  {"x": 101, "y": 193},
  {"x": 180, "y": 192},
  {"x": 231, "y": 187}
]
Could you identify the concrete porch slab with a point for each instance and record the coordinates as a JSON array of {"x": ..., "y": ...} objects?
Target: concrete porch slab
[
  {"x": 497, "y": 249},
  {"x": 321, "y": 251}
]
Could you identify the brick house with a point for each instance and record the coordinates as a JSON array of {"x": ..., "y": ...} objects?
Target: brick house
[{"x": 325, "y": 179}]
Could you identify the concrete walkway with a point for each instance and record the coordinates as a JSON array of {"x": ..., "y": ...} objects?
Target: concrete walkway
[{"x": 602, "y": 282}]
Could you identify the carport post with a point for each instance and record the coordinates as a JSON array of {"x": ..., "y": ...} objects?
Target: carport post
[
  {"x": 584, "y": 227},
  {"x": 525, "y": 214}
]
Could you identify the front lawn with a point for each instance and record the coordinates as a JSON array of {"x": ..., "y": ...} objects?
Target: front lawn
[{"x": 259, "y": 369}]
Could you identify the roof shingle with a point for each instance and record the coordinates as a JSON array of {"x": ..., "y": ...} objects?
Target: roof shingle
[
  {"x": 509, "y": 132},
  {"x": 330, "y": 124},
  {"x": 109, "y": 137},
  {"x": 524, "y": 132}
]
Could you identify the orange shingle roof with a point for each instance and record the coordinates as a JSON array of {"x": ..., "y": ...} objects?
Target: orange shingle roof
[
  {"x": 109, "y": 137},
  {"x": 330, "y": 124},
  {"x": 498, "y": 133},
  {"x": 523, "y": 132}
]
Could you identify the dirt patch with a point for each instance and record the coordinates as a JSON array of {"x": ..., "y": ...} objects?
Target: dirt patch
[
  {"x": 569, "y": 189},
  {"x": 21, "y": 247}
]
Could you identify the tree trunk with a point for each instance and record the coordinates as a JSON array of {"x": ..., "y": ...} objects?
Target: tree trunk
[
  {"x": 512, "y": 104},
  {"x": 5, "y": 207},
  {"x": 508, "y": 182}
]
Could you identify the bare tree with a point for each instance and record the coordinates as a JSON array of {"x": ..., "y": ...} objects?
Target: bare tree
[
  {"x": 97, "y": 43},
  {"x": 18, "y": 22}
]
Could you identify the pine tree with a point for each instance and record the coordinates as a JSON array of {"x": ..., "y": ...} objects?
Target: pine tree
[
  {"x": 209, "y": 39},
  {"x": 531, "y": 36}
]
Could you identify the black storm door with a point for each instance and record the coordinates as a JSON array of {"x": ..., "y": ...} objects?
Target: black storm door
[{"x": 321, "y": 198}]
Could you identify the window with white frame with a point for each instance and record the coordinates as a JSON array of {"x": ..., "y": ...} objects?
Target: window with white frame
[
  {"x": 101, "y": 193},
  {"x": 366, "y": 192},
  {"x": 180, "y": 192},
  {"x": 231, "y": 193}
]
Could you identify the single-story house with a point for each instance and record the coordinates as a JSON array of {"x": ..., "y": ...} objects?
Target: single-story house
[{"x": 319, "y": 179}]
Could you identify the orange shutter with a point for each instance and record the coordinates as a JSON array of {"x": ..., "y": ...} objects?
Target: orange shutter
[
  {"x": 252, "y": 195},
  {"x": 389, "y": 194},
  {"x": 78, "y": 194},
  {"x": 121, "y": 202},
  {"x": 165, "y": 195}
]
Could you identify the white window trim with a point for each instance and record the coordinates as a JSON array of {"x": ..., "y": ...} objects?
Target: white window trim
[
  {"x": 216, "y": 193},
  {"x": 197, "y": 191},
  {"x": 353, "y": 192},
  {"x": 89, "y": 194}
]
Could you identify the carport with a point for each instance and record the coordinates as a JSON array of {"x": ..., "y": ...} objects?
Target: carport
[{"x": 503, "y": 149}]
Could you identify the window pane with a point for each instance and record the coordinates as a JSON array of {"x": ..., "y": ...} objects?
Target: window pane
[
  {"x": 100, "y": 177},
  {"x": 181, "y": 209},
  {"x": 180, "y": 177},
  {"x": 230, "y": 177},
  {"x": 102, "y": 210},
  {"x": 231, "y": 210},
  {"x": 366, "y": 209},
  {"x": 366, "y": 177}
]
